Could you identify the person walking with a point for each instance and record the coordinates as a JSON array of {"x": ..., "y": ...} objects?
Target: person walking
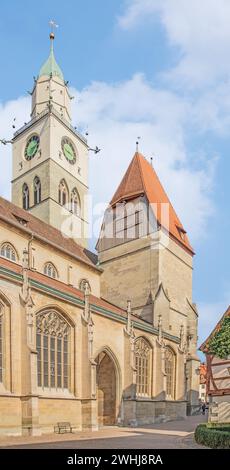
[{"x": 203, "y": 408}]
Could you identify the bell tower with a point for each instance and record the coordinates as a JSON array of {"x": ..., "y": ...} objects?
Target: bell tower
[{"x": 50, "y": 158}]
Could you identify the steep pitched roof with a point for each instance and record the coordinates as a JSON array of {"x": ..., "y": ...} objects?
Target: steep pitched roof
[
  {"x": 203, "y": 373},
  {"x": 205, "y": 345},
  {"x": 140, "y": 178},
  {"x": 27, "y": 222},
  {"x": 50, "y": 67}
]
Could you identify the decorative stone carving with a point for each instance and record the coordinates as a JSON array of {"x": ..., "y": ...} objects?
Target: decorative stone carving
[
  {"x": 90, "y": 336},
  {"x": 86, "y": 315},
  {"x": 30, "y": 323},
  {"x": 89, "y": 324},
  {"x": 160, "y": 339},
  {"x": 25, "y": 290},
  {"x": 189, "y": 339},
  {"x": 27, "y": 300},
  {"x": 142, "y": 348},
  {"x": 163, "y": 357},
  {"x": 51, "y": 323},
  {"x": 129, "y": 325},
  {"x": 132, "y": 342},
  {"x": 182, "y": 346}
]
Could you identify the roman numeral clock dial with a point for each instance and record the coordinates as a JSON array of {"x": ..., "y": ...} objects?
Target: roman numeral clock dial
[{"x": 68, "y": 150}]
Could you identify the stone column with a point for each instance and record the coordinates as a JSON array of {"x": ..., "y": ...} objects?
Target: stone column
[
  {"x": 29, "y": 398},
  {"x": 192, "y": 375},
  {"x": 160, "y": 376},
  {"x": 129, "y": 393},
  {"x": 88, "y": 366},
  {"x": 181, "y": 366}
]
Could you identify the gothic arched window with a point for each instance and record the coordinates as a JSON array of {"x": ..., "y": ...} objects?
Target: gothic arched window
[
  {"x": 1, "y": 344},
  {"x": 8, "y": 251},
  {"x": 37, "y": 190},
  {"x": 50, "y": 270},
  {"x": 75, "y": 203},
  {"x": 142, "y": 351},
  {"x": 63, "y": 193},
  {"x": 25, "y": 197},
  {"x": 53, "y": 348},
  {"x": 170, "y": 366}
]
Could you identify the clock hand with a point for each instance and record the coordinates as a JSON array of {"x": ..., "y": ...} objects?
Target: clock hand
[{"x": 69, "y": 153}]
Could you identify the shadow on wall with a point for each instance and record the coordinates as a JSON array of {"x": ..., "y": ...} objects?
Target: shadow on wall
[{"x": 134, "y": 411}]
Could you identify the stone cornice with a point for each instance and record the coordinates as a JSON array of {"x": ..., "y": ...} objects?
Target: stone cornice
[{"x": 73, "y": 299}]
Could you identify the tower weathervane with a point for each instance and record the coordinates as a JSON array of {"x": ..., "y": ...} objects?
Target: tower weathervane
[
  {"x": 53, "y": 25},
  {"x": 137, "y": 143}
]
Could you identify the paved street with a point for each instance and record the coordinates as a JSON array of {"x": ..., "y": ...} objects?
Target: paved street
[{"x": 172, "y": 435}]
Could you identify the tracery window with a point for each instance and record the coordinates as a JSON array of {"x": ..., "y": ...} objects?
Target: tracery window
[
  {"x": 75, "y": 203},
  {"x": 1, "y": 344},
  {"x": 142, "y": 362},
  {"x": 53, "y": 348},
  {"x": 170, "y": 365},
  {"x": 25, "y": 197},
  {"x": 8, "y": 251},
  {"x": 37, "y": 190},
  {"x": 50, "y": 270},
  {"x": 63, "y": 193}
]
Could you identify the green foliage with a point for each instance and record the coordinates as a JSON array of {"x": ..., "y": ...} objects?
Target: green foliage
[
  {"x": 221, "y": 426},
  {"x": 214, "y": 437},
  {"x": 220, "y": 342}
]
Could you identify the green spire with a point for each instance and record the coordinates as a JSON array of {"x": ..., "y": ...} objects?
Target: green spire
[{"x": 51, "y": 67}]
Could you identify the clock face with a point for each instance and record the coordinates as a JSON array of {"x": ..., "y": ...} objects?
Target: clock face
[
  {"x": 31, "y": 147},
  {"x": 68, "y": 150}
]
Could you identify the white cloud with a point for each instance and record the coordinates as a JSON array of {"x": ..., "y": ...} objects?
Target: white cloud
[
  {"x": 200, "y": 29},
  {"x": 19, "y": 109},
  {"x": 116, "y": 115},
  {"x": 136, "y": 11}
]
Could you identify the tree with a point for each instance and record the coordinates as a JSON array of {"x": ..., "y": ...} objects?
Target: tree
[{"x": 219, "y": 344}]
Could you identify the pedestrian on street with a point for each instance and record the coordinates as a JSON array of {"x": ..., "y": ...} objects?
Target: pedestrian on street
[{"x": 203, "y": 408}]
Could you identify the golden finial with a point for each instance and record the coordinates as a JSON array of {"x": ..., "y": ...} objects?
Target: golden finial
[{"x": 52, "y": 26}]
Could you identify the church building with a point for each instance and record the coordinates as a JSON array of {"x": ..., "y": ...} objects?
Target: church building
[{"x": 89, "y": 339}]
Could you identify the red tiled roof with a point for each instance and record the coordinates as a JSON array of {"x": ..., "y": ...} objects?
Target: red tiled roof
[
  {"x": 140, "y": 178},
  {"x": 205, "y": 345},
  {"x": 40, "y": 229},
  {"x": 203, "y": 373}
]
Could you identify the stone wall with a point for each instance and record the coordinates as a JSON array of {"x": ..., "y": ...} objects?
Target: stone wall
[{"x": 141, "y": 412}]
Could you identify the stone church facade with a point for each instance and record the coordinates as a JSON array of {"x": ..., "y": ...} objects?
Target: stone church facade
[{"x": 93, "y": 340}]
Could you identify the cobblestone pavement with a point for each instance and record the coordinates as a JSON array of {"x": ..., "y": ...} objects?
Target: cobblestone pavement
[{"x": 171, "y": 435}]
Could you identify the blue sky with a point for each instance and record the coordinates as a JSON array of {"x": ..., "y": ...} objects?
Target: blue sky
[{"x": 156, "y": 69}]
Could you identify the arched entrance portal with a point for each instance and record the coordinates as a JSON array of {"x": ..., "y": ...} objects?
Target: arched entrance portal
[{"x": 106, "y": 390}]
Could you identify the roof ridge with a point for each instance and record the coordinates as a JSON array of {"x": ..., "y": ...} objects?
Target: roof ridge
[
  {"x": 36, "y": 226},
  {"x": 139, "y": 155}
]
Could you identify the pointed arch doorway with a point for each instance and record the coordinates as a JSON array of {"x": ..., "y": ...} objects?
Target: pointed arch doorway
[{"x": 107, "y": 384}]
